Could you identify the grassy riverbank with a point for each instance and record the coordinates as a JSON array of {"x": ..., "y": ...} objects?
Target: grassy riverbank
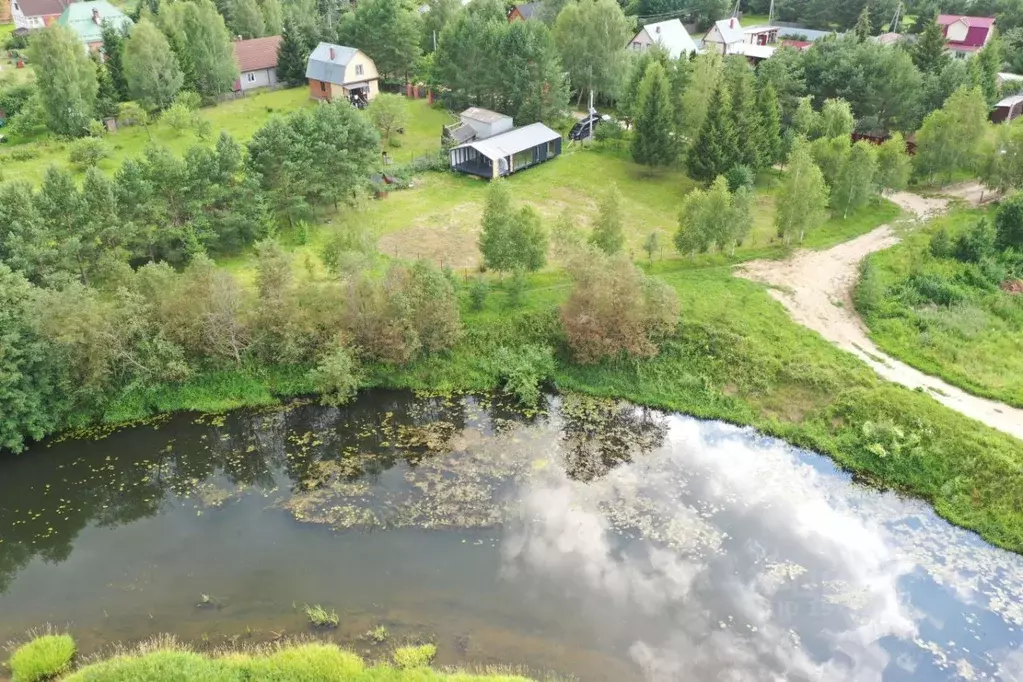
[
  {"x": 946, "y": 317},
  {"x": 163, "y": 660},
  {"x": 738, "y": 357}
]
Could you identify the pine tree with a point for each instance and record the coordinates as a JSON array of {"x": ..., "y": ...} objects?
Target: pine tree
[
  {"x": 113, "y": 52},
  {"x": 292, "y": 55},
  {"x": 607, "y": 233},
  {"x": 930, "y": 53},
  {"x": 984, "y": 69},
  {"x": 652, "y": 142},
  {"x": 746, "y": 120},
  {"x": 770, "y": 119},
  {"x": 714, "y": 151},
  {"x": 863, "y": 30}
]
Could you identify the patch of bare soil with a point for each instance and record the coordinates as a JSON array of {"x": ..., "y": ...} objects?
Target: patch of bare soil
[
  {"x": 816, "y": 288},
  {"x": 447, "y": 240}
]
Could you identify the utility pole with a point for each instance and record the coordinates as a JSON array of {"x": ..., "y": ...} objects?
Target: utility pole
[{"x": 770, "y": 15}]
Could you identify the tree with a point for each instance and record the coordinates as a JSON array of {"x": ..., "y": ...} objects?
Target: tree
[
  {"x": 893, "y": 164},
  {"x": 30, "y": 403},
  {"x": 615, "y": 310},
  {"x": 695, "y": 233},
  {"x": 745, "y": 115},
  {"x": 207, "y": 50},
  {"x": 150, "y": 67},
  {"x": 25, "y": 243},
  {"x": 388, "y": 113},
  {"x": 830, "y": 155},
  {"x": 246, "y": 19},
  {"x": 113, "y": 54},
  {"x": 336, "y": 376},
  {"x": 273, "y": 17},
  {"x": 651, "y": 244},
  {"x": 511, "y": 240},
  {"x": 836, "y": 119},
  {"x": 435, "y": 20},
  {"x": 806, "y": 121},
  {"x": 653, "y": 140},
  {"x": 701, "y": 82},
  {"x": 628, "y": 103},
  {"x": 715, "y": 150},
  {"x": 592, "y": 35},
  {"x": 949, "y": 140},
  {"x": 1002, "y": 169},
  {"x": 528, "y": 240},
  {"x": 65, "y": 79},
  {"x": 531, "y": 78},
  {"x": 770, "y": 119},
  {"x": 715, "y": 216},
  {"x": 930, "y": 52},
  {"x": 1009, "y": 223},
  {"x": 607, "y": 232},
  {"x": 386, "y": 30},
  {"x": 803, "y": 196},
  {"x": 984, "y": 68},
  {"x": 857, "y": 180},
  {"x": 292, "y": 55}
]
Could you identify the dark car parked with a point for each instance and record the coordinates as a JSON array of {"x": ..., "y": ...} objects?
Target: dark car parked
[{"x": 584, "y": 128}]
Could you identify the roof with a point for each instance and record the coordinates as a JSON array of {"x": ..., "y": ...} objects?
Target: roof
[
  {"x": 460, "y": 132},
  {"x": 672, "y": 35},
  {"x": 41, "y": 8},
  {"x": 977, "y": 33},
  {"x": 763, "y": 28},
  {"x": 87, "y": 19},
  {"x": 1009, "y": 77},
  {"x": 482, "y": 115},
  {"x": 730, "y": 30},
  {"x": 888, "y": 38},
  {"x": 322, "y": 67},
  {"x": 528, "y": 9},
  {"x": 513, "y": 141},
  {"x": 258, "y": 53},
  {"x": 797, "y": 44},
  {"x": 1010, "y": 101},
  {"x": 755, "y": 51},
  {"x": 810, "y": 34}
]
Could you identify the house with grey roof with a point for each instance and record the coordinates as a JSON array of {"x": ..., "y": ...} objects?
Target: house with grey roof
[
  {"x": 523, "y": 11},
  {"x": 724, "y": 37},
  {"x": 337, "y": 72},
  {"x": 671, "y": 35},
  {"x": 506, "y": 153}
]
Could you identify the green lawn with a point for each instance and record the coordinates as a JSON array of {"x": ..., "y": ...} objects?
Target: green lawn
[
  {"x": 975, "y": 341},
  {"x": 241, "y": 118}
]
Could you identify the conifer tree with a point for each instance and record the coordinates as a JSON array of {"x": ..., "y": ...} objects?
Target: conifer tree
[
  {"x": 113, "y": 52},
  {"x": 929, "y": 53},
  {"x": 714, "y": 151},
  {"x": 292, "y": 55},
  {"x": 863, "y": 30},
  {"x": 208, "y": 47},
  {"x": 746, "y": 116},
  {"x": 246, "y": 19},
  {"x": 652, "y": 142},
  {"x": 770, "y": 120},
  {"x": 273, "y": 17}
]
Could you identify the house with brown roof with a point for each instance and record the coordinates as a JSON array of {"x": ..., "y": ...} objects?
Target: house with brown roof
[
  {"x": 257, "y": 62},
  {"x": 966, "y": 35},
  {"x": 29, "y": 14}
]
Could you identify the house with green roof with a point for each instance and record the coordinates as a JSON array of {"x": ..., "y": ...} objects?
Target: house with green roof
[{"x": 86, "y": 19}]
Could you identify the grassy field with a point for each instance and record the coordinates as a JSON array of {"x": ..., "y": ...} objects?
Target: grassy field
[
  {"x": 974, "y": 341},
  {"x": 241, "y": 118}
]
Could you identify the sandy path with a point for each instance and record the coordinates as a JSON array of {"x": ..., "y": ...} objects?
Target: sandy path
[{"x": 816, "y": 288}]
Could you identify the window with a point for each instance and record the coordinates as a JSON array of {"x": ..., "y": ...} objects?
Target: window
[
  {"x": 251, "y": 76},
  {"x": 358, "y": 69},
  {"x": 551, "y": 149},
  {"x": 323, "y": 87}
]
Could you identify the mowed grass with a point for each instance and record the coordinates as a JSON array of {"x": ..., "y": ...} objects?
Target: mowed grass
[
  {"x": 241, "y": 118},
  {"x": 976, "y": 344}
]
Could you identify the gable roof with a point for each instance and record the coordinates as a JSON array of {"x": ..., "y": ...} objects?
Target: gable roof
[
  {"x": 1010, "y": 101},
  {"x": 322, "y": 67},
  {"x": 672, "y": 35},
  {"x": 257, "y": 53},
  {"x": 513, "y": 141},
  {"x": 528, "y": 9},
  {"x": 41, "y": 8},
  {"x": 977, "y": 32},
  {"x": 482, "y": 115},
  {"x": 809, "y": 34},
  {"x": 87, "y": 19},
  {"x": 730, "y": 30}
]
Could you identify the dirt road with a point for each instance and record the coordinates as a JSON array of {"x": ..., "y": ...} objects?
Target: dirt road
[{"x": 816, "y": 288}]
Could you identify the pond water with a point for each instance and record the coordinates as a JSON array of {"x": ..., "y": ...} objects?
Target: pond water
[{"x": 593, "y": 539}]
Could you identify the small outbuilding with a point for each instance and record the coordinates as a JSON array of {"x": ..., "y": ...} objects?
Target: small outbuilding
[
  {"x": 506, "y": 153},
  {"x": 257, "y": 62},
  {"x": 1009, "y": 109},
  {"x": 338, "y": 72},
  {"x": 486, "y": 123}
]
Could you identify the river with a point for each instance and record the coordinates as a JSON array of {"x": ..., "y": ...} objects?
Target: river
[{"x": 590, "y": 539}]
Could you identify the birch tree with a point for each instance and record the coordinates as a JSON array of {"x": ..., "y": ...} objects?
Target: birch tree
[{"x": 803, "y": 198}]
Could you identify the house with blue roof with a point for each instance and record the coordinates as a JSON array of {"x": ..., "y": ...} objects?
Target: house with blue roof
[{"x": 337, "y": 72}]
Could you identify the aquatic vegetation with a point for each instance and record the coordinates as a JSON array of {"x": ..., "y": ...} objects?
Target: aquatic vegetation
[
  {"x": 378, "y": 635},
  {"x": 415, "y": 656},
  {"x": 321, "y": 617},
  {"x": 43, "y": 658},
  {"x": 164, "y": 659}
]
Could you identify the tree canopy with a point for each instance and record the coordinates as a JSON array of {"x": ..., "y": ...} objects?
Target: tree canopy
[{"x": 65, "y": 79}]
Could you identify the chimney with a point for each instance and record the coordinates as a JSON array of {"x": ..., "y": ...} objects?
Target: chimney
[
  {"x": 731, "y": 23},
  {"x": 95, "y": 16},
  {"x": 332, "y": 54}
]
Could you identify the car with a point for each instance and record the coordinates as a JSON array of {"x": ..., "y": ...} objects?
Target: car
[{"x": 585, "y": 127}]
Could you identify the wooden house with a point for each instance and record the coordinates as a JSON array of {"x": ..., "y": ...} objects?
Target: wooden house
[
  {"x": 523, "y": 11},
  {"x": 338, "y": 72},
  {"x": 506, "y": 153},
  {"x": 1008, "y": 110}
]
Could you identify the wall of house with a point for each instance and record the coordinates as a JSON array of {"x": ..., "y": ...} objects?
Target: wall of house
[
  {"x": 259, "y": 78},
  {"x": 713, "y": 42},
  {"x": 957, "y": 32},
  {"x": 22, "y": 21},
  {"x": 321, "y": 89},
  {"x": 642, "y": 41},
  {"x": 367, "y": 72}
]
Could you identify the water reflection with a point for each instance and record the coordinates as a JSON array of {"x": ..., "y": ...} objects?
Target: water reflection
[{"x": 593, "y": 538}]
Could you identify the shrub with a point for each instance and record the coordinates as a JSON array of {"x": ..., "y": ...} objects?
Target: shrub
[
  {"x": 934, "y": 288},
  {"x": 415, "y": 656},
  {"x": 523, "y": 369},
  {"x": 740, "y": 176},
  {"x": 614, "y": 309},
  {"x": 478, "y": 294},
  {"x": 394, "y": 142},
  {"x": 941, "y": 244},
  {"x": 336, "y": 377},
  {"x": 43, "y": 658},
  {"x": 976, "y": 243},
  {"x": 179, "y": 117},
  {"x": 189, "y": 100},
  {"x": 1009, "y": 223},
  {"x": 515, "y": 288},
  {"x": 321, "y": 617},
  {"x": 23, "y": 154},
  {"x": 87, "y": 152}
]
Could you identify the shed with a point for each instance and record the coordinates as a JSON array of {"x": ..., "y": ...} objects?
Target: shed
[
  {"x": 86, "y": 19},
  {"x": 257, "y": 62},
  {"x": 1009, "y": 109},
  {"x": 506, "y": 153},
  {"x": 671, "y": 35},
  {"x": 339, "y": 72},
  {"x": 485, "y": 122}
]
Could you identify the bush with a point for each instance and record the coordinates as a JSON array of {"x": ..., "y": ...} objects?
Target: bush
[
  {"x": 515, "y": 288},
  {"x": 478, "y": 294},
  {"x": 941, "y": 244},
  {"x": 522, "y": 369},
  {"x": 1009, "y": 223},
  {"x": 189, "y": 100},
  {"x": 394, "y": 142},
  {"x": 87, "y": 152},
  {"x": 179, "y": 117},
  {"x": 415, "y": 656},
  {"x": 336, "y": 377},
  {"x": 976, "y": 243},
  {"x": 740, "y": 176},
  {"x": 934, "y": 288},
  {"x": 321, "y": 617},
  {"x": 43, "y": 658}
]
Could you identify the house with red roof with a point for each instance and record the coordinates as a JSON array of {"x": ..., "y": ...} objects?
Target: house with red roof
[
  {"x": 966, "y": 35},
  {"x": 31, "y": 14},
  {"x": 257, "y": 62}
]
